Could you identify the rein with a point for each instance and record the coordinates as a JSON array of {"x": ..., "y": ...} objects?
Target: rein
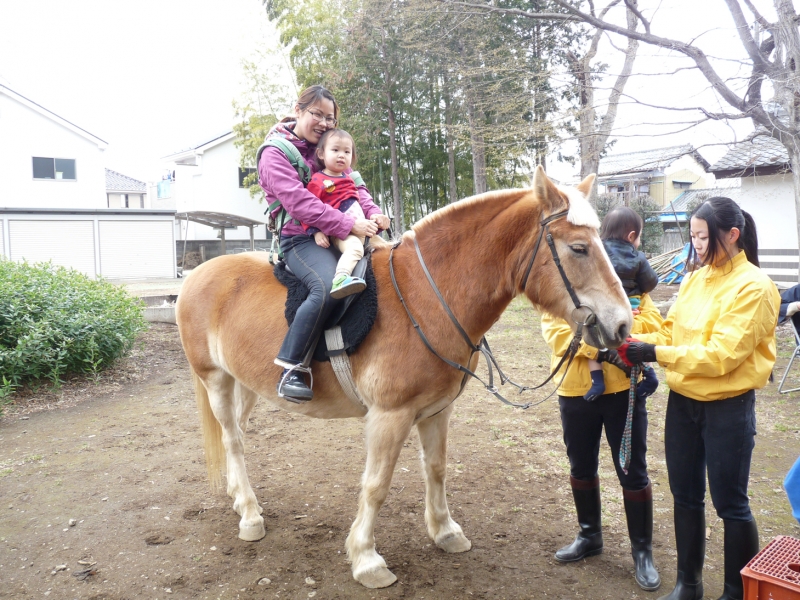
[{"x": 483, "y": 345}]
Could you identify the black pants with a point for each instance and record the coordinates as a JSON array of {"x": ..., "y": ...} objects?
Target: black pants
[
  {"x": 583, "y": 424},
  {"x": 315, "y": 266},
  {"x": 717, "y": 436}
]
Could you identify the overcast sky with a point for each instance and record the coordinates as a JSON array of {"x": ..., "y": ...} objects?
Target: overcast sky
[{"x": 151, "y": 77}]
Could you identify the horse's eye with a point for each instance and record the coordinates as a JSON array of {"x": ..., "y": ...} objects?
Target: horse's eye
[{"x": 579, "y": 248}]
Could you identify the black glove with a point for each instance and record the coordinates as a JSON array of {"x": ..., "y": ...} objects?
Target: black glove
[
  {"x": 613, "y": 357},
  {"x": 636, "y": 353}
]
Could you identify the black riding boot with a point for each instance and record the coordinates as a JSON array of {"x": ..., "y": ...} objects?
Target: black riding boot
[
  {"x": 741, "y": 544},
  {"x": 589, "y": 540},
  {"x": 690, "y": 542},
  {"x": 639, "y": 514}
]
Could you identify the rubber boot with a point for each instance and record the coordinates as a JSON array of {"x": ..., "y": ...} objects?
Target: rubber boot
[
  {"x": 589, "y": 540},
  {"x": 741, "y": 544},
  {"x": 690, "y": 542},
  {"x": 639, "y": 514}
]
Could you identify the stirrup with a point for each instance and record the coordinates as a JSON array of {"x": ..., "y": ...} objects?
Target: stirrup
[{"x": 301, "y": 369}]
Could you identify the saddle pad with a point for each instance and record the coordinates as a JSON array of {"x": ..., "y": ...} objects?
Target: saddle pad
[{"x": 356, "y": 321}]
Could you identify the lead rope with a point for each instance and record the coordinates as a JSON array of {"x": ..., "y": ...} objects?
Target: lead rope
[{"x": 625, "y": 446}]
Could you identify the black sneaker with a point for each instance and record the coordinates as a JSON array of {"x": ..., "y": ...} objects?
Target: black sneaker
[{"x": 292, "y": 387}]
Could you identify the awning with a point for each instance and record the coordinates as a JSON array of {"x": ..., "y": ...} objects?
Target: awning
[{"x": 221, "y": 221}]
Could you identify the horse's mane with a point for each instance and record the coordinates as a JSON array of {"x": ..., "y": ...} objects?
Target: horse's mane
[{"x": 581, "y": 212}]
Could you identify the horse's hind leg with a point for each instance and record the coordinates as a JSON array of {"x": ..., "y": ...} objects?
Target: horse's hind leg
[
  {"x": 245, "y": 401},
  {"x": 228, "y": 412},
  {"x": 385, "y": 434},
  {"x": 442, "y": 529}
]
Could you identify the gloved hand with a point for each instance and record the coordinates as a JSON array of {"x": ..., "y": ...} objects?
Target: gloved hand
[
  {"x": 648, "y": 384},
  {"x": 792, "y": 308},
  {"x": 611, "y": 357},
  {"x": 635, "y": 352}
]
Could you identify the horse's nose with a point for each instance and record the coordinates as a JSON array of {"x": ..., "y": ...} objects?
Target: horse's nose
[{"x": 622, "y": 333}]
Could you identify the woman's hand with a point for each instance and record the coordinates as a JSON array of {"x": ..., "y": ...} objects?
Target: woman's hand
[
  {"x": 381, "y": 220},
  {"x": 364, "y": 228},
  {"x": 322, "y": 240}
]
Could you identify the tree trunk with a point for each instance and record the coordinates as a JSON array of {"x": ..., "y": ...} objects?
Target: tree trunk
[
  {"x": 399, "y": 225},
  {"x": 451, "y": 153},
  {"x": 478, "y": 148}
]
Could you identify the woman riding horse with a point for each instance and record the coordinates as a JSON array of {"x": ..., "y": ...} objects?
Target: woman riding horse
[{"x": 315, "y": 112}]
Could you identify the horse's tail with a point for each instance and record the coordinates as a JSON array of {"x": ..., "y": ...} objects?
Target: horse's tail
[{"x": 212, "y": 434}]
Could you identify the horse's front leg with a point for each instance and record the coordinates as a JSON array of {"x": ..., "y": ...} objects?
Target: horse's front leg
[
  {"x": 228, "y": 412},
  {"x": 385, "y": 434},
  {"x": 442, "y": 529}
]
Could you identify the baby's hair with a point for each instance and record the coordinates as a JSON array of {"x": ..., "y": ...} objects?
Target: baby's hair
[
  {"x": 619, "y": 222},
  {"x": 330, "y": 134}
]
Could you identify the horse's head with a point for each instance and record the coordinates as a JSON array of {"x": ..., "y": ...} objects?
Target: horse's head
[{"x": 587, "y": 270}]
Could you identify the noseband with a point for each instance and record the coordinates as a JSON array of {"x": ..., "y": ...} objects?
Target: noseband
[{"x": 483, "y": 345}]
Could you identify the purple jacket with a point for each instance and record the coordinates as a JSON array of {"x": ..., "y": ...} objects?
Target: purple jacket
[{"x": 279, "y": 180}]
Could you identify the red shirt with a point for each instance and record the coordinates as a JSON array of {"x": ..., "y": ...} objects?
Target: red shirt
[{"x": 332, "y": 190}]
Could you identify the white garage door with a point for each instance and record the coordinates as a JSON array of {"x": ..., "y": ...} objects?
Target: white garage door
[
  {"x": 2, "y": 244},
  {"x": 66, "y": 243},
  {"x": 136, "y": 249}
]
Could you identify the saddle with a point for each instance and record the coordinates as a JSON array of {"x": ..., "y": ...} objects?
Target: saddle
[{"x": 355, "y": 314}]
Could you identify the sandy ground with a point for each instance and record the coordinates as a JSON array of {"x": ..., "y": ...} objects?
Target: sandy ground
[{"x": 103, "y": 493}]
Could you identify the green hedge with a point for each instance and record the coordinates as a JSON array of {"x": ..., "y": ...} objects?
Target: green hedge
[{"x": 55, "y": 321}]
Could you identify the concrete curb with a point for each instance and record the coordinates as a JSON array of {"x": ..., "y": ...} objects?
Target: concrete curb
[{"x": 160, "y": 314}]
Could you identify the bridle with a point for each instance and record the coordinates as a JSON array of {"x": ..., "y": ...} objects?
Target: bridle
[{"x": 483, "y": 345}]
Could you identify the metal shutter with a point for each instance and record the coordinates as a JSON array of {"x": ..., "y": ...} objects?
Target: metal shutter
[
  {"x": 136, "y": 249},
  {"x": 2, "y": 241},
  {"x": 66, "y": 243}
]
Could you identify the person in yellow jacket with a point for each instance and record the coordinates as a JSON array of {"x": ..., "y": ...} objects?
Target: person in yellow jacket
[
  {"x": 583, "y": 422},
  {"x": 717, "y": 345}
]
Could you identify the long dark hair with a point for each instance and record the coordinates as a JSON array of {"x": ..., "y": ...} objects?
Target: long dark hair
[
  {"x": 310, "y": 96},
  {"x": 619, "y": 222},
  {"x": 722, "y": 214}
]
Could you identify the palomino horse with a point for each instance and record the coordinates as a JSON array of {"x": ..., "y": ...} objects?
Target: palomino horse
[{"x": 479, "y": 251}]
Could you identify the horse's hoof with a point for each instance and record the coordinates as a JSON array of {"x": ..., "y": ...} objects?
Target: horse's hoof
[
  {"x": 454, "y": 543},
  {"x": 379, "y": 577},
  {"x": 253, "y": 532}
]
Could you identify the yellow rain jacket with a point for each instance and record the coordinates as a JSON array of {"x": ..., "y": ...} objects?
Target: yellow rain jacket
[
  {"x": 718, "y": 340},
  {"x": 558, "y": 335}
]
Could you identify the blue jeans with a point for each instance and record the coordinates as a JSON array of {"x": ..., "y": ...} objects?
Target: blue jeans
[
  {"x": 315, "y": 266},
  {"x": 719, "y": 436},
  {"x": 583, "y": 424}
]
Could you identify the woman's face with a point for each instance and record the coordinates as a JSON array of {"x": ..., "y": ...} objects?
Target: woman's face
[
  {"x": 314, "y": 120},
  {"x": 698, "y": 230},
  {"x": 727, "y": 243}
]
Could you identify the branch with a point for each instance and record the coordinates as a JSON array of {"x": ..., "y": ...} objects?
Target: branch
[
  {"x": 632, "y": 7},
  {"x": 759, "y": 19},
  {"x": 515, "y": 11},
  {"x": 753, "y": 51}
]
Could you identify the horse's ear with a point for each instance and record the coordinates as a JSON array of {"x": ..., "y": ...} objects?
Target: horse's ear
[
  {"x": 545, "y": 190},
  {"x": 585, "y": 186}
]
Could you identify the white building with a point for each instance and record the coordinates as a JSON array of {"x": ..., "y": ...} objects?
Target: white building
[
  {"x": 125, "y": 192},
  {"x": 46, "y": 161},
  {"x": 207, "y": 178},
  {"x": 767, "y": 193},
  {"x": 55, "y": 204}
]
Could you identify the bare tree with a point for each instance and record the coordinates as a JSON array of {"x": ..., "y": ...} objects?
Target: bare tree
[{"x": 774, "y": 59}]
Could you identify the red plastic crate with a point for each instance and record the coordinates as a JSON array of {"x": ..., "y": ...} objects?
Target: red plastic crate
[{"x": 774, "y": 573}]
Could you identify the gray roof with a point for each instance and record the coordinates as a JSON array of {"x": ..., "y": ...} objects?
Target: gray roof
[
  {"x": 760, "y": 152},
  {"x": 647, "y": 160},
  {"x": 682, "y": 202},
  {"x": 117, "y": 182}
]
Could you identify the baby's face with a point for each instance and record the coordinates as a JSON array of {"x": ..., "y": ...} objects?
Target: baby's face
[{"x": 338, "y": 154}]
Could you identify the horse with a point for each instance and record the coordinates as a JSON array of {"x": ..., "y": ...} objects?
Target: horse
[{"x": 482, "y": 253}]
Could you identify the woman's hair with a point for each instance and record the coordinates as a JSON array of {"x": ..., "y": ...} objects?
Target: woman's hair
[
  {"x": 721, "y": 215},
  {"x": 309, "y": 97},
  {"x": 329, "y": 135},
  {"x": 619, "y": 222}
]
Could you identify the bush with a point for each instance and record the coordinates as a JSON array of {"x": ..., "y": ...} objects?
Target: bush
[
  {"x": 647, "y": 208},
  {"x": 55, "y": 321}
]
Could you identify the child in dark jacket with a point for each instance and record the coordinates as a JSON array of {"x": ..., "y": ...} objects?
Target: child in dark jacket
[{"x": 621, "y": 233}]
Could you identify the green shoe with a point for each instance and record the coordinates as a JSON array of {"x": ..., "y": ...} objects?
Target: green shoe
[{"x": 344, "y": 285}]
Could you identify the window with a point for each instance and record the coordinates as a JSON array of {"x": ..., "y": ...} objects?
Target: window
[
  {"x": 681, "y": 185},
  {"x": 54, "y": 168},
  {"x": 244, "y": 173}
]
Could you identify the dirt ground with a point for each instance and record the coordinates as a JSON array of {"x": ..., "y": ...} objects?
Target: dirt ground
[{"x": 103, "y": 493}]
